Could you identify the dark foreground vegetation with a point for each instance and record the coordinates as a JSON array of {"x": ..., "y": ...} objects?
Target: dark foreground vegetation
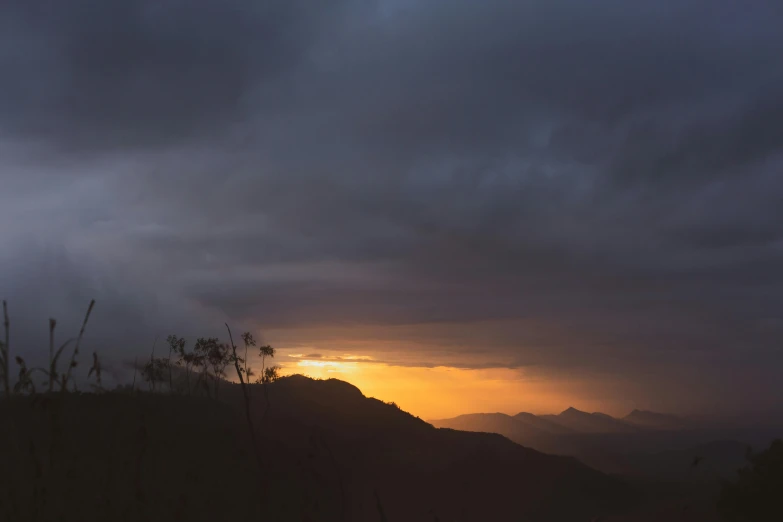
[
  {"x": 326, "y": 452},
  {"x": 182, "y": 442}
]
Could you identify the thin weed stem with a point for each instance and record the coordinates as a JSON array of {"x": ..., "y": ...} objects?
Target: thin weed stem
[
  {"x": 76, "y": 347},
  {"x": 52, "y": 325},
  {"x": 6, "y": 351}
]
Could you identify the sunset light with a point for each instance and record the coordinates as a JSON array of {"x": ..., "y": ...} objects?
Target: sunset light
[
  {"x": 441, "y": 392},
  {"x": 393, "y": 260}
]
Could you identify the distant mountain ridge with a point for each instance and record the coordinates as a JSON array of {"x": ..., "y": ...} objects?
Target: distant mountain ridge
[
  {"x": 583, "y": 422},
  {"x": 573, "y": 421},
  {"x": 651, "y": 419},
  {"x": 642, "y": 443},
  {"x": 539, "y": 422}
]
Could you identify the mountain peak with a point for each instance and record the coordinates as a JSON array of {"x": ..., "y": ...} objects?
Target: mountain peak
[
  {"x": 571, "y": 411},
  {"x": 651, "y": 419}
]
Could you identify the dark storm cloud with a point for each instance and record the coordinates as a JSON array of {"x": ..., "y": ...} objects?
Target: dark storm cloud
[
  {"x": 92, "y": 74},
  {"x": 608, "y": 167}
]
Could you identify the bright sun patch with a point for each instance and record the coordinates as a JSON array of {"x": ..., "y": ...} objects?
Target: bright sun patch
[{"x": 315, "y": 368}]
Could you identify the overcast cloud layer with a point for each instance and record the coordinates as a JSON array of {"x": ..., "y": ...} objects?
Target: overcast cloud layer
[{"x": 601, "y": 178}]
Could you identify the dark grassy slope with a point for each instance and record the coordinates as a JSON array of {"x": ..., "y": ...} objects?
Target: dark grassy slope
[
  {"x": 121, "y": 457},
  {"x": 325, "y": 448}
]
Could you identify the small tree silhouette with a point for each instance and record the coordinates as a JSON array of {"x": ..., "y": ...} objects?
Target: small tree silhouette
[
  {"x": 184, "y": 358},
  {"x": 271, "y": 374},
  {"x": 265, "y": 351},
  {"x": 247, "y": 338},
  {"x": 155, "y": 371},
  {"x": 200, "y": 351},
  {"x": 176, "y": 346},
  {"x": 218, "y": 356}
]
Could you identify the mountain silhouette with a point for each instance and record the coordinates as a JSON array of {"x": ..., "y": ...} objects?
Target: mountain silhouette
[
  {"x": 640, "y": 444},
  {"x": 326, "y": 452},
  {"x": 417, "y": 467},
  {"x": 518, "y": 429},
  {"x": 675, "y": 463},
  {"x": 650, "y": 419},
  {"x": 584, "y": 422},
  {"x": 543, "y": 424}
]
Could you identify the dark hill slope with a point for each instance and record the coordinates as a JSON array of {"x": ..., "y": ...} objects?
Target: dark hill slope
[
  {"x": 417, "y": 468},
  {"x": 326, "y": 452}
]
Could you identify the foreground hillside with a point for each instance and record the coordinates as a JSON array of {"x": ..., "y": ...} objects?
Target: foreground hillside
[{"x": 325, "y": 452}]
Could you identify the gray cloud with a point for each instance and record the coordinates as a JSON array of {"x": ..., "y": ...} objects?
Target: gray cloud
[
  {"x": 102, "y": 75},
  {"x": 607, "y": 168}
]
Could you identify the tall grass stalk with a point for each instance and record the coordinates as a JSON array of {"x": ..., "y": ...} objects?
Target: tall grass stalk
[
  {"x": 72, "y": 364},
  {"x": 379, "y": 507},
  {"x": 152, "y": 364},
  {"x": 53, "y": 376},
  {"x": 168, "y": 363},
  {"x": 52, "y": 325},
  {"x": 6, "y": 352},
  {"x": 246, "y": 398},
  {"x": 135, "y": 369},
  {"x": 253, "y": 438}
]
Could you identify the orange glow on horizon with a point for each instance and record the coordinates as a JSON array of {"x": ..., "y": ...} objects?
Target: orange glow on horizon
[
  {"x": 394, "y": 363},
  {"x": 440, "y": 392}
]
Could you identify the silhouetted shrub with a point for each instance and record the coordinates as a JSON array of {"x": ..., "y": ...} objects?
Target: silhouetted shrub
[{"x": 757, "y": 495}]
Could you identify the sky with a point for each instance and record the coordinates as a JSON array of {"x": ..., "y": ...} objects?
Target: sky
[{"x": 456, "y": 205}]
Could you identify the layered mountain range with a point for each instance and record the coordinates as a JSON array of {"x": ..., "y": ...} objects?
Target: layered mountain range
[{"x": 641, "y": 443}]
